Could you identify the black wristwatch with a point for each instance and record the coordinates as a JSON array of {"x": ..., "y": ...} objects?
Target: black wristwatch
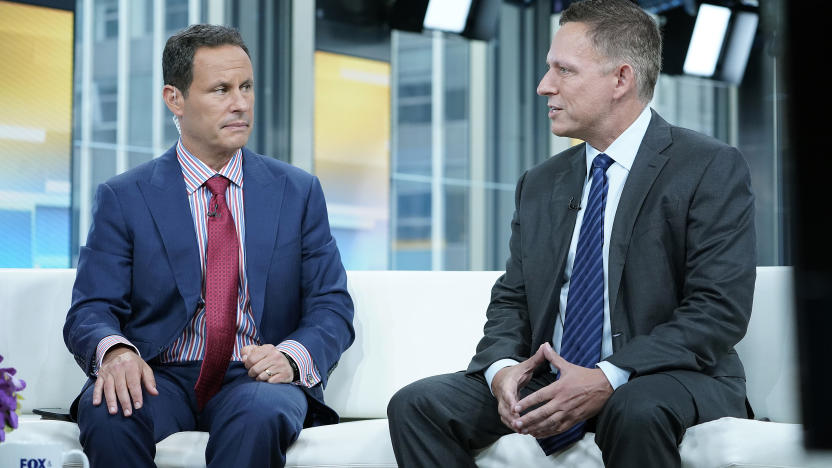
[{"x": 295, "y": 371}]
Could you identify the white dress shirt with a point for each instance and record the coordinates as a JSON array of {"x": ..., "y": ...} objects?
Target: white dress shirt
[{"x": 623, "y": 152}]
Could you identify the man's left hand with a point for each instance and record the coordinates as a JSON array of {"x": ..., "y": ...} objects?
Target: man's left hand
[
  {"x": 266, "y": 364},
  {"x": 577, "y": 395}
]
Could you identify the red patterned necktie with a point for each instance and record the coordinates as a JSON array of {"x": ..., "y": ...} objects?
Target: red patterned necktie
[{"x": 221, "y": 275}]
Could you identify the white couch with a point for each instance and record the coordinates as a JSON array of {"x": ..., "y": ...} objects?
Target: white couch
[{"x": 410, "y": 325}]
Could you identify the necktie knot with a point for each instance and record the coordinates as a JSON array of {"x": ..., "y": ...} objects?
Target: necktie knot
[
  {"x": 217, "y": 185},
  {"x": 602, "y": 161}
]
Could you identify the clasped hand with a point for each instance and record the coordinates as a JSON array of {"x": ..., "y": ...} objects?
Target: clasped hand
[
  {"x": 577, "y": 395},
  {"x": 123, "y": 372},
  {"x": 259, "y": 359}
]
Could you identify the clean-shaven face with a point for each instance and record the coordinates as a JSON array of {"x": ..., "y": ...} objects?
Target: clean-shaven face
[
  {"x": 218, "y": 112},
  {"x": 578, "y": 85}
]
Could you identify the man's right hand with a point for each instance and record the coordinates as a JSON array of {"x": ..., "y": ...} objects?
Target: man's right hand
[
  {"x": 120, "y": 380},
  {"x": 508, "y": 381}
]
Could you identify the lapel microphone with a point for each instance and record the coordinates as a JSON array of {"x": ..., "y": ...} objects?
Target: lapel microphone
[{"x": 572, "y": 205}]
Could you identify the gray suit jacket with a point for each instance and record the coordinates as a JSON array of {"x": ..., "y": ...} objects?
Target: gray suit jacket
[{"x": 682, "y": 260}]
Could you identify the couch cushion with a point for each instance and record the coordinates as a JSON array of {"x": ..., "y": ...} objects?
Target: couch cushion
[
  {"x": 408, "y": 325},
  {"x": 522, "y": 450},
  {"x": 351, "y": 444},
  {"x": 727, "y": 442},
  {"x": 743, "y": 443},
  {"x": 34, "y": 307},
  {"x": 768, "y": 350}
]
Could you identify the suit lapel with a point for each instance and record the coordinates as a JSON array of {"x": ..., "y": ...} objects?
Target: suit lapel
[
  {"x": 648, "y": 164},
  {"x": 166, "y": 198},
  {"x": 568, "y": 188},
  {"x": 263, "y": 199},
  {"x": 566, "y": 185}
]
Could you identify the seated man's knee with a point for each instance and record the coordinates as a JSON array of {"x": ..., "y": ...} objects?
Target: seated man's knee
[
  {"x": 278, "y": 408},
  {"x": 108, "y": 437},
  {"x": 631, "y": 411},
  {"x": 416, "y": 397},
  {"x": 97, "y": 419}
]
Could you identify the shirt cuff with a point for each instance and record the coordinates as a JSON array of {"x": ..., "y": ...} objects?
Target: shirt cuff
[
  {"x": 309, "y": 376},
  {"x": 105, "y": 344},
  {"x": 494, "y": 368},
  {"x": 616, "y": 375}
]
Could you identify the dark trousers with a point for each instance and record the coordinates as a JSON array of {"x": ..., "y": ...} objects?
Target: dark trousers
[
  {"x": 250, "y": 423},
  {"x": 442, "y": 420}
]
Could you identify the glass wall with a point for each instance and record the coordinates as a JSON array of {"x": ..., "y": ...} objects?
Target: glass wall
[
  {"x": 431, "y": 169},
  {"x": 120, "y": 119},
  {"x": 461, "y": 117},
  {"x": 466, "y": 123}
]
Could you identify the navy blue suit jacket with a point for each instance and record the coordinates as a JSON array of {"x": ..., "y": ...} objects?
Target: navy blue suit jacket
[{"x": 139, "y": 274}]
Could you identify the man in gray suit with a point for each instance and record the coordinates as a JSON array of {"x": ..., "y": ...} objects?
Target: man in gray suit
[{"x": 630, "y": 278}]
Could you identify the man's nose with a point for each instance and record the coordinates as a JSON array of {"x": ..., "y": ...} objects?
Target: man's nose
[
  {"x": 240, "y": 101},
  {"x": 547, "y": 85}
]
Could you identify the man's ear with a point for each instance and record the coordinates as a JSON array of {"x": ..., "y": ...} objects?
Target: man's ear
[
  {"x": 626, "y": 81},
  {"x": 173, "y": 99}
]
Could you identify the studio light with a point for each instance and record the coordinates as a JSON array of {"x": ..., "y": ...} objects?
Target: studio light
[
  {"x": 474, "y": 19},
  {"x": 447, "y": 15},
  {"x": 738, "y": 47},
  {"x": 714, "y": 43},
  {"x": 707, "y": 40}
]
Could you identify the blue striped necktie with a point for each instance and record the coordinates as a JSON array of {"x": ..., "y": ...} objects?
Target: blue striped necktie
[{"x": 584, "y": 317}]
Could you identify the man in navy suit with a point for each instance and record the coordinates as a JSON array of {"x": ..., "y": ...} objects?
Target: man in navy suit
[{"x": 210, "y": 294}]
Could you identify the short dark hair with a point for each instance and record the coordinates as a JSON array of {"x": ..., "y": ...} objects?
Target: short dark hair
[
  {"x": 178, "y": 56},
  {"x": 621, "y": 30}
]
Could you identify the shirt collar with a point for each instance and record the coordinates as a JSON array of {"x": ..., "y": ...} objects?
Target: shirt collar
[
  {"x": 623, "y": 150},
  {"x": 197, "y": 172}
]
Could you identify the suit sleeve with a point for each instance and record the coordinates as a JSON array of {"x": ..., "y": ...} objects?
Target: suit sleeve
[
  {"x": 325, "y": 327},
  {"x": 718, "y": 277},
  {"x": 507, "y": 331},
  {"x": 100, "y": 295}
]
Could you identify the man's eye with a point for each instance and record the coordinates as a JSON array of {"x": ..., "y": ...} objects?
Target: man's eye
[
  {"x": 219, "y": 90},
  {"x": 564, "y": 70}
]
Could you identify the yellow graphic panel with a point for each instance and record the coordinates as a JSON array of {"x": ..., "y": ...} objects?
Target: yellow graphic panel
[
  {"x": 352, "y": 154},
  {"x": 35, "y": 134}
]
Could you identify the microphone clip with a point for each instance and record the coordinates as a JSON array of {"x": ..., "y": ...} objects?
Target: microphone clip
[{"x": 572, "y": 205}]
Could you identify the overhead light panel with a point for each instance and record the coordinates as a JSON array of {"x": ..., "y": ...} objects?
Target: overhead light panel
[
  {"x": 707, "y": 39},
  {"x": 447, "y": 15},
  {"x": 474, "y": 19},
  {"x": 738, "y": 48}
]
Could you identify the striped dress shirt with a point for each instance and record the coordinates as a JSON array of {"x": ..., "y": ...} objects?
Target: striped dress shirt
[{"x": 190, "y": 345}]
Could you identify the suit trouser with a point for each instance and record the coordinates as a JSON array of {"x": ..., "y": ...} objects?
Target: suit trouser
[
  {"x": 250, "y": 423},
  {"x": 444, "y": 420}
]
